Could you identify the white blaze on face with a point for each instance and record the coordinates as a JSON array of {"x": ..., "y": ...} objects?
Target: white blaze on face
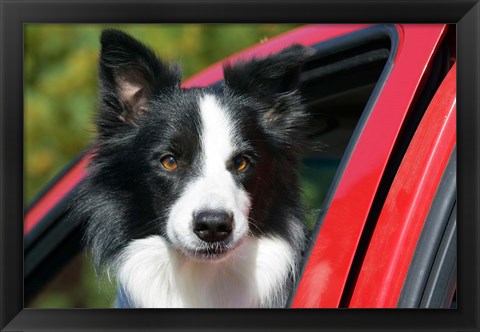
[
  {"x": 215, "y": 188},
  {"x": 216, "y": 137}
]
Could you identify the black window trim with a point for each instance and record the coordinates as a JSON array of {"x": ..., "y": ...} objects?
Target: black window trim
[{"x": 435, "y": 250}]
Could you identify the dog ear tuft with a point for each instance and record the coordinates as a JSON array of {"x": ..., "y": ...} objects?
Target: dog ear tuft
[
  {"x": 130, "y": 73},
  {"x": 275, "y": 74},
  {"x": 275, "y": 80}
]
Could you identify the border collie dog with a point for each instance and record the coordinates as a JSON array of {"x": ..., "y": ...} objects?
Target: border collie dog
[{"x": 192, "y": 196}]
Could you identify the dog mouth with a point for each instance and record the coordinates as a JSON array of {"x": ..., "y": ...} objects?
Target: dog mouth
[{"x": 211, "y": 252}]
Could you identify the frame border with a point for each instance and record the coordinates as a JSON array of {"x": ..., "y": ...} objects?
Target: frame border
[{"x": 15, "y": 13}]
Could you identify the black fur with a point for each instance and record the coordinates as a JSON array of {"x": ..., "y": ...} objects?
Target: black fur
[{"x": 126, "y": 195}]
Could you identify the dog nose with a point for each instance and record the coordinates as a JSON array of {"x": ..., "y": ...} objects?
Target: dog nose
[{"x": 212, "y": 226}]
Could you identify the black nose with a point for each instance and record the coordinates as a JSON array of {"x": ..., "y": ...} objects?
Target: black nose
[{"x": 212, "y": 226}]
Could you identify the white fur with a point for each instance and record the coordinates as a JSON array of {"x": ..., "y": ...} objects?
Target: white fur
[
  {"x": 215, "y": 188},
  {"x": 154, "y": 275}
]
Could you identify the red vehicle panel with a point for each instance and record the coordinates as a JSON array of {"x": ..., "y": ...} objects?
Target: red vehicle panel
[
  {"x": 328, "y": 267},
  {"x": 407, "y": 205},
  {"x": 59, "y": 190}
]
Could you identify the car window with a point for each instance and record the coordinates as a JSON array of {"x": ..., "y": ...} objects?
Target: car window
[{"x": 337, "y": 86}]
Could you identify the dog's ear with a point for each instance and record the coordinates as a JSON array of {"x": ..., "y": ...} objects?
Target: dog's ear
[
  {"x": 130, "y": 73},
  {"x": 270, "y": 76},
  {"x": 274, "y": 81}
]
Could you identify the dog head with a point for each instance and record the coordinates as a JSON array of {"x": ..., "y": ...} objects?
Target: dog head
[{"x": 202, "y": 167}]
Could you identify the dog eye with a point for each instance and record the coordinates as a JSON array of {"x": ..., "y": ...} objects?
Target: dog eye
[
  {"x": 240, "y": 163},
  {"x": 169, "y": 162}
]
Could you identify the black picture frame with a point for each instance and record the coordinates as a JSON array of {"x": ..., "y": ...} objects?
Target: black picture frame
[{"x": 16, "y": 13}]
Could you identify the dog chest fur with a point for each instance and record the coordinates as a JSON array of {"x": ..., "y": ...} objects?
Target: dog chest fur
[{"x": 154, "y": 275}]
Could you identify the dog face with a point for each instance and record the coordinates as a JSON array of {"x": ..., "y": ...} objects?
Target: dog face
[
  {"x": 201, "y": 163},
  {"x": 195, "y": 165}
]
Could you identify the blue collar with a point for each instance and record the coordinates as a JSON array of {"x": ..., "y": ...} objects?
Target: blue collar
[{"x": 122, "y": 300}]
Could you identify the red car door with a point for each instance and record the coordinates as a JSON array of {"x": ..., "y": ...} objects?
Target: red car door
[{"x": 338, "y": 242}]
